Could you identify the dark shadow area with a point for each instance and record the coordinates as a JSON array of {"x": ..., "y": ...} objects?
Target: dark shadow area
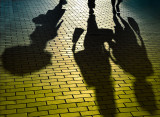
[
  {"x": 91, "y": 6},
  {"x": 20, "y": 60},
  {"x": 94, "y": 64},
  {"x": 151, "y": 4},
  {"x": 132, "y": 58},
  {"x": 147, "y": 7}
]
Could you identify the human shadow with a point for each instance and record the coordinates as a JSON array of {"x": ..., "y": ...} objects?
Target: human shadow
[
  {"x": 115, "y": 6},
  {"x": 91, "y": 6},
  {"x": 132, "y": 58},
  {"x": 20, "y": 60},
  {"x": 94, "y": 64}
]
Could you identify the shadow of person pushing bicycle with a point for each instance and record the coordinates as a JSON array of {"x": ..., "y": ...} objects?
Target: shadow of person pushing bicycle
[{"x": 20, "y": 60}]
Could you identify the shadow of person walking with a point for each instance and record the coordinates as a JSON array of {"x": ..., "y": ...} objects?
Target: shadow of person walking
[
  {"x": 91, "y": 6},
  {"x": 94, "y": 64},
  {"x": 132, "y": 57},
  {"x": 20, "y": 60}
]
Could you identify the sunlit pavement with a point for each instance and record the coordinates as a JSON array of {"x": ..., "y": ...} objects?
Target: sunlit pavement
[{"x": 43, "y": 75}]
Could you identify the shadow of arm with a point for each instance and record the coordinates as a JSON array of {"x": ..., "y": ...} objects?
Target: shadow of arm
[{"x": 77, "y": 33}]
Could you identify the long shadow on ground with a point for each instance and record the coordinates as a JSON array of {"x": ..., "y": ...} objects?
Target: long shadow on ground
[
  {"x": 124, "y": 51},
  {"x": 20, "y": 60},
  {"x": 132, "y": 58},
  {"x": 94, "y": 64}
]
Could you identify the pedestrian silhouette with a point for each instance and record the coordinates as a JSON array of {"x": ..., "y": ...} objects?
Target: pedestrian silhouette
[
  {"x": 94, "y": 64},
  {"x": 132, "y": 58},
  {"x": 20, "y": 60},
  {"x": 115, "y": 6},
  {"x": 91, "y": 6}
]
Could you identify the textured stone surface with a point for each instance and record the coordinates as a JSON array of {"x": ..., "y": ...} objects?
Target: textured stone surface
[{"x": 41, "y": 76}]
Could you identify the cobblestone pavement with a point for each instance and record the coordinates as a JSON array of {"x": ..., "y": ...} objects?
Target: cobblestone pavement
[{"x": 44, "y": 73}]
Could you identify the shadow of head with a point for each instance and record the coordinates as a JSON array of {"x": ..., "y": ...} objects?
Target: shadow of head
[{"x": 51, "y": 18}]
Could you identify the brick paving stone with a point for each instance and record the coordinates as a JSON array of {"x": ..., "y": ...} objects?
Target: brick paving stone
[
  {"x": 70, "y": 115},
  {"x": 48, "y": 107},
  {"x": 8, "y": 111},
  {"x": 16, "y": 106},
  {"x": 25, "y": 101},
  {"x": 24, "y": 93},
  {"x": 43, "y": 73},
  {"x": 74, "y": 100},
  {"x": 7, "y": 102},
  {"x": 141, "y": 113},
  {"x": 58, "y": 111},
  {"x": 15, "y": 97},
  {"x": 24, "y": 110},
  {"x": 34, "y": 114},
  {"x": 2, "y": 107},
  {"x": 36, "y": 104},
  {"x": 56, "y": 102},
  {"x": 91, "y": 108},
  {"x": 55, "y": 115},
  {"x": 78, "y": 109},
  {"x": 35, "y": 96},
  {"x": 44, "y": 99},
  {"x": 128, "y": 109},
  {"x": 89, "y": 113},
  {"x": 64, "y": 97},
  {"x": 18, "y": 115},
  {"x": 124, "y": 114},
  {"x": 14, "y": 90}
]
